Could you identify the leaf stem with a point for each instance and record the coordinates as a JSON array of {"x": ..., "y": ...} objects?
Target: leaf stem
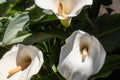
[{"x": 109, "y": 31}]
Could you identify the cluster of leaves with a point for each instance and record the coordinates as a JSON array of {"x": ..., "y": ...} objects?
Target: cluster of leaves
[{"x": 23, "y": 22}]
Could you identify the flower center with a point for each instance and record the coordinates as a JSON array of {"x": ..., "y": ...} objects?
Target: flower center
[
  {"x": 64, "y": 8},
  {"x": 18, "y": 68},
  {"x": 84, "y": 52},
  {"x": 60, "y": 8}
]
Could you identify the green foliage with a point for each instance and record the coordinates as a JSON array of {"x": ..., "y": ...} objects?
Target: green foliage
[
  {"x": 112, "y": 62},
  {"x": 108, "y": 26},
  {"x": 14, "y": 26},
  {"x": 23, "y": 22}
]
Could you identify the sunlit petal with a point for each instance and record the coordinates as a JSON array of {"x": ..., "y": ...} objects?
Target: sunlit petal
[
  {"x": 79, "y": 4},
  {"x": 48, "y": 4}
]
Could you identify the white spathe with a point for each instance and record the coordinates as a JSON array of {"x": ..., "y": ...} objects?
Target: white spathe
[
  {"x": 21, "y": 55},
  {"x": 71, "y": 64},
  {"x": 64, "y": 9},
  {"x": 115, "y": 6}
]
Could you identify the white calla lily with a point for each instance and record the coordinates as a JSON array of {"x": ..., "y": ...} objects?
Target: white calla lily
[
  {"x": 102, "y": 10},
  {"x": 81, "y": 56},
  {"x": 64, "y": 9},
  {"x": 115, "y": 7},
  {"x": 20, "y": 63}
]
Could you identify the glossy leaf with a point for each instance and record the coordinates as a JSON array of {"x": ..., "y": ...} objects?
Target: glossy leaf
[
  {"x": 108, "y": 28},
  {"x": 37, "y": 37},
  {"x": 112, "y": 62},
  {"x": 38, "y": 15},
  {"x": 14, "y": 27}
]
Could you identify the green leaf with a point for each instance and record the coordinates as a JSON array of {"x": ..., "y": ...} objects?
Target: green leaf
[
  {"x": 42, "y": 37},
  {"x": 19, "y": 39},
  {"x": 14, "y": 27},
  {"x": 108, "y": 30},
  {"x": 112, "y": 62},
  {"x": 39, "y": 15},
  {"x": 111, "y": 40},
  {"x": 32, "y": 38},
  {"x": 50, "y": 77},
  {"x": 37, "y": 37},
  {"x": 54, "y": 48},
  {"x": 107, "y": 22}
]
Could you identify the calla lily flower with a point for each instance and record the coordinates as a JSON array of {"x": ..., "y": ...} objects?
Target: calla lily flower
[
  {"x": 20, "y": 63},
  {"x": 115, "y": 8},
  {"x": 102, "y": 10},
  {"x": 64, "y": 9},
  {"x": 81, "y": 56}
]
